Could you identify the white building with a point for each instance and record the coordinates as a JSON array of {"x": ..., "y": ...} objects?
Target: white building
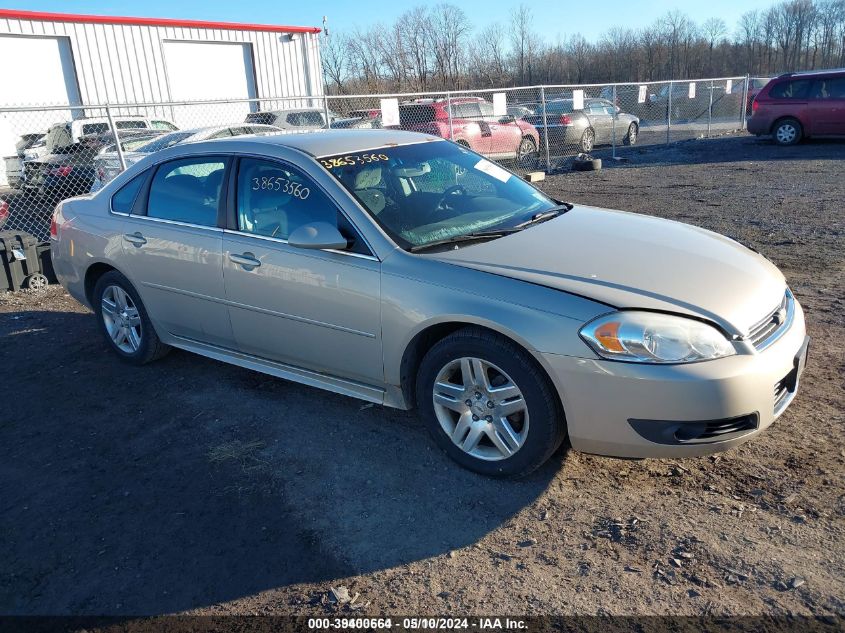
[{"x": 65, "y": 59}]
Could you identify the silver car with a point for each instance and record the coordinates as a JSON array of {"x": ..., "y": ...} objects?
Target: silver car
[{"x": 409, "y": 271}]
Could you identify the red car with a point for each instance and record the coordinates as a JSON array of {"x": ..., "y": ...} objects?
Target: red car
[
  {"x": 800, "y": 105},
  {"x": 475, "y": 126}
]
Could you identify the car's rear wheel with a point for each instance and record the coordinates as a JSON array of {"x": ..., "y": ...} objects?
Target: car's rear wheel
[
  {"x": 488, "y": 404},
  {"x": 631, "y": 136},
  {"x": 124, "y": 320},
  {"x": 787, "y": 132},
  {"x": 588, "y": 140}
]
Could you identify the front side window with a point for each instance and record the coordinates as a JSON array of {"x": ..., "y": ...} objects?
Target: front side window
[
  {"x": 429, "y": 192},
  {"x": 94, "y": 128},
  {"x": 130, "y": 125},
  {"x": 307, "y": 118},
  {"x": 274, "y": 199},
  {"x": 187, "y": 190},
  {"x": 167, "y": 126}
]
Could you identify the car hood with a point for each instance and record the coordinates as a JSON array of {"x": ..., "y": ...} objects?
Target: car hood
[{"x": 628, "y": 260}]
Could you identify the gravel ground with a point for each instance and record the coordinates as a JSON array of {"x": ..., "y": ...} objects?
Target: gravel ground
[{"x": 193, "y": 486}]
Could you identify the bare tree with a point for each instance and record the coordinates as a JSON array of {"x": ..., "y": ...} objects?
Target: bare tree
[{"x": 715, "y": 30}]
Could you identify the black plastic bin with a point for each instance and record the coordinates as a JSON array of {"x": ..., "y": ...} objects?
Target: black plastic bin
[{"x": 22, "y": 259}]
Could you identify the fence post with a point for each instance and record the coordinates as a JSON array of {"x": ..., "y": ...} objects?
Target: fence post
[
  {"x": 449, "y": 112},
  {"x": 615, "y": 118},
  {"x": 710, "y": 110},
  {"x": 326, "y": 109},
  {"x": 545, "y": 128},
  {"x": 121, "y": 159},
  {"x": 746, "y": 86},
  {"x": 669, "y": 110}
]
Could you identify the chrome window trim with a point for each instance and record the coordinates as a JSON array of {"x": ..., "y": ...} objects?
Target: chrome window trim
[
  {"x": 279, "y": 240},
  {"x": 187, "y": 225}
]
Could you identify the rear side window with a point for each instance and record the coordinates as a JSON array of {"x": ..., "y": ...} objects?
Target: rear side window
[
  {"x": 265, "y": 118},
  {"x": 414, "y": 114},
  {"x": 795, "y": 89},
  {"x": 830, "y": 88},
  {"x": 187, "y": 190},
  {"x": 124, "y": 199},
  {"x": 94, "y": 128},
  {"x": 130, "y": 125},
  {"x": 305, "y": 118}
]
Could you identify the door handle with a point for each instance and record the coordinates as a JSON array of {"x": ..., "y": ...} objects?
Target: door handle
[
  {"x": 135, "y": 238},
  {"x": 247, "y": 260}
]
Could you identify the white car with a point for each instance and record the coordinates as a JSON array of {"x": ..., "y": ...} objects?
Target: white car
[
  {"x": 295, "y": 120},
  {"x": 107, "y": 164}
]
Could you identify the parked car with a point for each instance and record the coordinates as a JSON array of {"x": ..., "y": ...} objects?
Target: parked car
[
  {"x": 298, "y": 119},
  {"x": 35, "y": 144},
  {"x": 70, "y": 171},
  {"x": 796, "y": 106},
  {"x": 519, "y": 111},
  {"x": 366, "y": 113},
  {"x": 580, "y": 130},
  {"x": 412, "y": 272},
  {"x": 357, "y": 123},
  {"x": 63, "y": 135},
  {"x": 473, "y": 125},
  {"x": 107, "y": 163}
]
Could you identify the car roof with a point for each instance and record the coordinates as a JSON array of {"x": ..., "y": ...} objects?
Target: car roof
[
  {"x": 814, "y": 73},
  {"x": 328, "y": 142}
]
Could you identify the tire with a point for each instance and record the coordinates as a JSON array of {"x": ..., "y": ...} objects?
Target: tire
[
  {"x": 36, "y": 282},
  {"x": 532, "y": 433},
  {"x": 144, "y": 346},
  {"x": 631, "y": 136},
  {"x": 787, "y": 132},
  {"x": 586, "y": 164},
  {"x": 526, "y": 153},
  {"x": 588, "y": 140}
]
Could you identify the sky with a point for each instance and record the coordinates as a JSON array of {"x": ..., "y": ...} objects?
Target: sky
[{"x": 552, "y": 18}]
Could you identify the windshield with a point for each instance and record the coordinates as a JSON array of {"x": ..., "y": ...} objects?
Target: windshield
[
  {"x": 434, "y": 191},
  {"x": 163, "y": 142}
]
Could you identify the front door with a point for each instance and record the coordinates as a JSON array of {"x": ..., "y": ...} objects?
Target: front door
[
  {"x": 318, "y": 310},
  {"x": 601, "y": 120},
  {"x": 172, "y": 250}
]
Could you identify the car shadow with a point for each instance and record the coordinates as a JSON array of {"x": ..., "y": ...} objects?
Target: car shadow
[{"x": 188, "y": 482}]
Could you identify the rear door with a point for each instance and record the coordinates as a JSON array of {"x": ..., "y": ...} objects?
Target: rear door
[
  {"x": 826, "y": 106},
  {"x": 172, "y": 249},
  {"x": 469, "y": 124}
]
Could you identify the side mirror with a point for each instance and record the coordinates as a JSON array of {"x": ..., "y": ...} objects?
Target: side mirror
[
  {"x": 508, "y": 118},
  {"x": 318, "y": 236}
]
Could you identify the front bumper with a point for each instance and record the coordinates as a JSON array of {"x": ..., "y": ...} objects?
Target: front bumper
[{"x": 613, "y": 407}]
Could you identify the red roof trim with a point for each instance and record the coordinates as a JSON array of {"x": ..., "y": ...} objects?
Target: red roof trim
[{"x": 14, "y": 14}]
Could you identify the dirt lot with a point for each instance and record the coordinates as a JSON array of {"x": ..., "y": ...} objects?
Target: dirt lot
[{"x": 189, "y": 485}]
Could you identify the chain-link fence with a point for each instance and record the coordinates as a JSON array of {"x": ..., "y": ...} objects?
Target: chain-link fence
[{"x": 54, "y": 152}]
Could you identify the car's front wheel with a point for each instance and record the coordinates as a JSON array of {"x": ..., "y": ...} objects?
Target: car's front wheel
[
  {"x": 526, "y": 154},
  {"x": 488, "y": 404},
  {"x": 124, "y": 321},
  {"x": 631, "y": 136}
]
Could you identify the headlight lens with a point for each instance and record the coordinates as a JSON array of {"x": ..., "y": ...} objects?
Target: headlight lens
[{"x": 652, "y": 337}]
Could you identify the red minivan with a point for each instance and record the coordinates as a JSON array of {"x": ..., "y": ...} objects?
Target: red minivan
[
  {"x": 474, "y": 125},
  {"x": 800, "y": 105}
]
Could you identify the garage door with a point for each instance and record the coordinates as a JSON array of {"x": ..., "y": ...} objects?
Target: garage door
[
  {"x": 37, "y": 71},
  {"x": 210, "y": 70}
]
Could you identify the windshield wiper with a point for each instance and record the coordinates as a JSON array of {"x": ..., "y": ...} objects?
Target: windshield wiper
[
  {"x": 466, "y": 237},
  {"x": 542, "y": 216}
]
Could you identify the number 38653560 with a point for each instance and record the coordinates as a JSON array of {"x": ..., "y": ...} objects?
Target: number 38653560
[{"x": 282, "y": 184}]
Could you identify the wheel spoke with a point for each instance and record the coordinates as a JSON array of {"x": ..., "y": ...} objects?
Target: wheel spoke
[
  {"x": 134, "y": 317},
  {"x": 119, "y": 297},
  {"x": 479, "y": 371},
  {"x": 461, "y": 428},
  {"x": 472, "y": 438},
  {"x": 118, "y": 336},
  {"x": 452, "y": 403},
  {"x": 504, "y": 437},
  {"x": 109, "y": 307},
  {"x": 133, "y": 338},
  {"x": 512, "y": 406},
  {"x": 508, "y": 390}
]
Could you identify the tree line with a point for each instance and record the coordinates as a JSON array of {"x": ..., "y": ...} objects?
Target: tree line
[{"x": 437, "y": 48}]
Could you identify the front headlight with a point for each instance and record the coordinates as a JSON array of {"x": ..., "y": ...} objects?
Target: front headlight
[{"x": 652, "y": 337}]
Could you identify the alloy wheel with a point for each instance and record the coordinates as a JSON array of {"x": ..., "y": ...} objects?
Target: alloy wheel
[
  {"x": 480, "y": 408},
  {"x": 121, "y": 319},
  {"x": 587, "y": 140}
]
